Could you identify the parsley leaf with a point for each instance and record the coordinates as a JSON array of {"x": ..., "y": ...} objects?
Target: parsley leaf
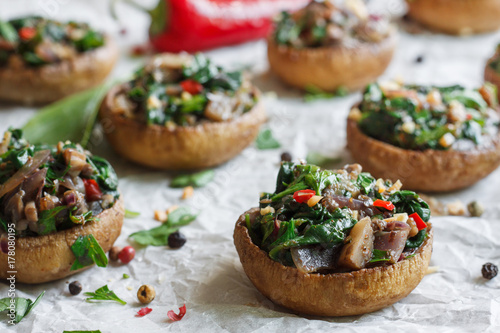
[
  {"x": 22, "y": 306},
  {"x": 103, "y": 294},
  {"x": 159, "y": 236},
  {"x": 265, "y": 140},
  {"x": 88, "y": 251},
  {"x": 198, "y": 179}
]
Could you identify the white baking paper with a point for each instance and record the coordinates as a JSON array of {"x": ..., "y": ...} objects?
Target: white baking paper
[{"x": 206, "y": 274}]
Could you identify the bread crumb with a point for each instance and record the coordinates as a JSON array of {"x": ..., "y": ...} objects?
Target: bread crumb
[
  {"x": 456, "y": 208},
  {"x": 161, "y": 215},
  {"x": 187, "y": 193},
  {"x": 432, "y": 270},
  {"x": 129, "y": 288}
]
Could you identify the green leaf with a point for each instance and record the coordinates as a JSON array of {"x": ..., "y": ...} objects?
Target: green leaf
[
  {"x": 71, "y": 118},
  {"x": 321, "y": 160},
  {"x": 125, "y": 276},
  {"x": 22, "y": 306},
  {"x": 265, "y": 140},
  {"x": 159, "y": 236},
  {"x": 88, "y": 251},
  {"x": 366, "y": 182},
  {"x": 314, "y": 93},
  {"x": 416, "y": 240},
  {"x": 103, "y": 294},
  {"x": 8, "y": 32},
  {"x": 48, "y": 218},
  {"x": 130, "y": 214},
  {"x": 379, "y": 255},
  {"x": 198, "y": 179}
]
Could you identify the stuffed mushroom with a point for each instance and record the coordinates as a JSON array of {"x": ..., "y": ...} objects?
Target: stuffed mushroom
[
  {"x": 182, "y": 112},
  {"x": 331, "y": 46},
  {"x": 60, "y": 210},
  {"x": 457, "y": 17},
  {"x": 335, "y": 242},
  {"x": 434, "y": 139},
  {"x": 43, "y": 60}
]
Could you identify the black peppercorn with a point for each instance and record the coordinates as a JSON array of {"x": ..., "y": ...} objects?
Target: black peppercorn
[
  {"x": 286, "y": 157},
  {"x": 419, "y": 59},
  {"x": 489, "y": 270},
  {"x": 176, "y": 240},
  {"x": 75, "y": 288}
]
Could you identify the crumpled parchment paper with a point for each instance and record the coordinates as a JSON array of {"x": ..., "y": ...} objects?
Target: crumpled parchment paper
[{"x": 206, "y": 274}]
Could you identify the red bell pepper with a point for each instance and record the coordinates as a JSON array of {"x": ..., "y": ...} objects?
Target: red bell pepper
[
  {"x": 191, "y": 86},
  {"x": 303, "y": 195},
  {"x": 418, "y": 220},
  {"x": 92, "y": 190},
  {"x": 27, "y": 33},
  {"x": 383, "y": 204},
  {"x": 195, "y": 25}
]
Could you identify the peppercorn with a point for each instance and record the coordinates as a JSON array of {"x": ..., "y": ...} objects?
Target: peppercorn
[
  {"x": 475, "y": 209},
  {"x": 419, "y": 59},
  {"x": 176, "y": 240},
  {"x": 286, "y": 157},
  {"x": 75, "y": 288},
  {"x": 146, "y": 294},
  {"x": 489, "y": 270},
  {"x": 113, "y": 253}
]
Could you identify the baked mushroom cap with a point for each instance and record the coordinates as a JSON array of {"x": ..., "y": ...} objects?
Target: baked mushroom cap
[
  {"x": 428, "y": 170},
  {"x": 51, "y": 82},
  {"x": 47, "y": 258},
  {"x": 336, "y": 294},
  {"x": 456, "y": 16},
  {"x": 203, "y": 145},
  {"x": 329, "y": 68}
]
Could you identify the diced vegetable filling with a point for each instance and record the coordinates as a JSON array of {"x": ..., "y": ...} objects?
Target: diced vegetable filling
[
  {"x": 419, "y": 117},
  {"x": 181, "y": 90},
  {"x": 47, "y": 189},
  {"x": 327, "y": 24},
  {"x": 35, "y": 41},
  {"x": 323, "y": 221}
]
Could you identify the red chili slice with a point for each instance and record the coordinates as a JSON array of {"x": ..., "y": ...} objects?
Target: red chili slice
[
  {"x": 27, "y": 33},
  {"x": 418, "y": 220},
  {"x": 383, "y": 204},
  {"x": 144, "y": 311},
  {"x": 303, "y": 195},
  {"x": 176, "y": 317},
  {"x": 92, "y": 190},
  {"x": 191, "y": 86}
]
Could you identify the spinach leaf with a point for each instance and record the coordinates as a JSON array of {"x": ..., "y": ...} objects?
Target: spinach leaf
[
  {"x": 8, "y": 32},
  {"x": 201, "y": 69},
  {"x": 91, "y": 40},
  {"x": 321, "y": 160},
  {"x": 87, "y": 252},
  {"x": 379, "y": 255},
  {"x": 416, "y": 240},
  {"x": 49, "y": 219},
  {"x": 314, "y": 93},
  {"x": 410, "y": 202},
  {"x": 198, "y": 179},
  {"x": 106, "y": 176},
  {"x": 266, "y": 140},
  {"x": 159, "y": 236},
  {"x": 103, "y": 294},
  {"x": 366, "y": 182},
  {"x": 287, "y": 30},
  {"x": 285, "y": 176},
  {"x": 71, "y": 118},
  {"x": 469, "y": 98},
  {"x": 22, "y": 306}
]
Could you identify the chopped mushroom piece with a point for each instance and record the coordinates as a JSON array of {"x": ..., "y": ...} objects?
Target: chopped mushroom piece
[{"x": 358, "y": 252}]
